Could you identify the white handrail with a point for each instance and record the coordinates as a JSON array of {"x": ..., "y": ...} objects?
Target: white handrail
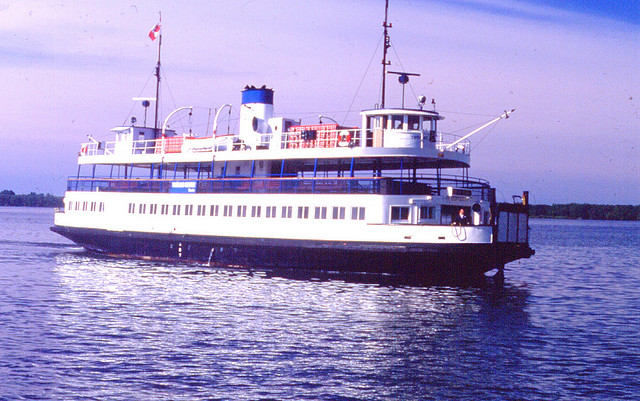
[
  {"x": 215, "y": 119},
  {"x": 166, "y": 120}
]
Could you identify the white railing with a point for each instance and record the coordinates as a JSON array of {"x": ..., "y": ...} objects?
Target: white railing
[
  {"x": 179, "y": 144},
  {"x": 321, "y": 139},
  {"x": 444, "y": 141},
  {"x": 289, "y": 140}
]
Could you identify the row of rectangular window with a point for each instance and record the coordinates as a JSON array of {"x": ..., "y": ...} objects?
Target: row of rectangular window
[
  {"x": 286, "y": 212},
  {"x": 87, "y": 206},
  {"x": 398, "y": 213}
]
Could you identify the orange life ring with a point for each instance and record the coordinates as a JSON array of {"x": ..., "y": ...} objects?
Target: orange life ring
[{"x": 344, "y": 138}]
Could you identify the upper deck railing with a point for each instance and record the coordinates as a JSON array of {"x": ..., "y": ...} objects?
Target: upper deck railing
[
  {"x": 422, "y": 185},
  {"x": 305, "y": 139}
]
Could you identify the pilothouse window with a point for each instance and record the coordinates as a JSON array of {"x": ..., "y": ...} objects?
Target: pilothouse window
[
  {"x": 414, "y": 123},
  {"x": 396, "y": 122}
]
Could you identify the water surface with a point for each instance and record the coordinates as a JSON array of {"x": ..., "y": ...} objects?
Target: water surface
[{"x": 75, "y": 326}]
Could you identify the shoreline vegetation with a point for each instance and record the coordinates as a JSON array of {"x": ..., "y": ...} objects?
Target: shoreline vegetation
[
  {"x": 571, "y": 211},
  {"x": 585, "y": 211},
  {"x": 9, "y": 198}
]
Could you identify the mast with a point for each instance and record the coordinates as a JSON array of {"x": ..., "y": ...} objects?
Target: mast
[
  {"x": 385, "y": 47},
  {"x": 155, "y": 126}
]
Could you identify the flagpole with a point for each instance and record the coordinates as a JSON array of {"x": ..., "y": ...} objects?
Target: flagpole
[{"x": 155, "y": 127}]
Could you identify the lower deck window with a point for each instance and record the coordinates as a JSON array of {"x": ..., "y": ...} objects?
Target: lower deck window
[
  {"x": 320, "y": 213},
  {"x": 427, "y": 212},
  {"x": 286, "y": 212},
  {"x": 451, "y": 214},
  {"x": 400, "y": 213},
  {"x": 303, "y": 212},
  {"x": 357, "y": 213}
]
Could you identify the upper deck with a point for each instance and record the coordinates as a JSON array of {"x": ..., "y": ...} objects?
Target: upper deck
[{"x": 385, "y": 134}]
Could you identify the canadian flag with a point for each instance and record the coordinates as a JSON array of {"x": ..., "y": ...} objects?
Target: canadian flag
[{"x": 155, "y": 31}]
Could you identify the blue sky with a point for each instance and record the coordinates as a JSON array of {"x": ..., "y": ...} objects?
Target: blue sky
[{"x": 71, "y": 68}]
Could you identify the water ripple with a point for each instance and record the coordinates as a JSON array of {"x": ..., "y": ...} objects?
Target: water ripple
[{"x": 78, "y": 327}]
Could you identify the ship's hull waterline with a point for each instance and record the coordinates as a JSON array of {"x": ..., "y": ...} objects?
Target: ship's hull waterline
[{"x": 418, "y": 261}]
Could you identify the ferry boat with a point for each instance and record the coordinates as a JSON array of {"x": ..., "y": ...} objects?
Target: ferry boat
[{"x": 392, "y": 196}]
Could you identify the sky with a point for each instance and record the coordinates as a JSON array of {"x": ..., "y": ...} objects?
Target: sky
[{"x": 571, "y": 71}]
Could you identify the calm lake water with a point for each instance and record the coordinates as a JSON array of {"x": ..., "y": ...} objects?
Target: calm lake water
[{"x": 74, "y": 326}]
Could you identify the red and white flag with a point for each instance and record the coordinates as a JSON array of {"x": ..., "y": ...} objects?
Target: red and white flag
[{"x": 155, "y": 31}]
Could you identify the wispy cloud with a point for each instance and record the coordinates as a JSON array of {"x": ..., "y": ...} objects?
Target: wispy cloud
[{"x": 74, "y": 68}]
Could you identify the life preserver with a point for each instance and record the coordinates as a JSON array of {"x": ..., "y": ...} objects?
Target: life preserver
[
  {"x": 83, "y": 150},
  {"x": 344, "y": 138}
]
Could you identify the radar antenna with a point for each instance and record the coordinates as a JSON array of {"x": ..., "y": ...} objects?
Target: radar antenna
[{"x": 403, "y": 78}]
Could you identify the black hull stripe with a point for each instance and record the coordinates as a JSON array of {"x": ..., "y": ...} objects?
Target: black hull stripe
[{"x": 423, "y": 260}]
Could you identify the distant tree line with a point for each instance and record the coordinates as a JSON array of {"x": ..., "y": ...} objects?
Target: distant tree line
[
  {"x": 585, "y": 211},
  {"x": 9, "y": 198}
]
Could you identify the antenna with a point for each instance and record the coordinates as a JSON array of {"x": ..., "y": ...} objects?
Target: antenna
[
  {"x": 146, "y": 102},
  {"x": 403, "y": 78},
  {"x": 385, "y": 47}
]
